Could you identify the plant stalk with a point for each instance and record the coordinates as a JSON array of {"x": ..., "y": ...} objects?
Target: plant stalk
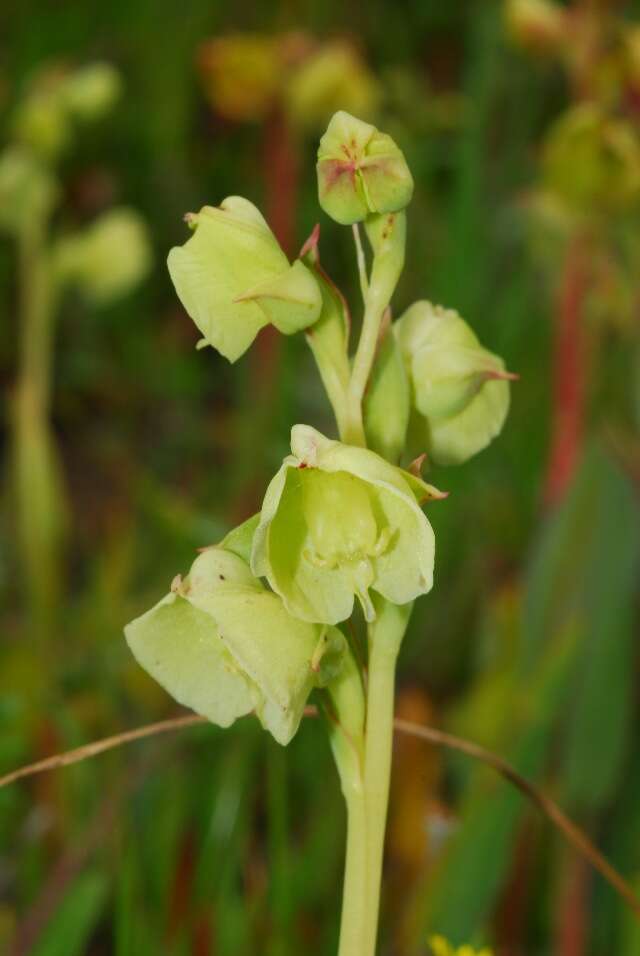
[
  {"x": 39, "y": 497},
  {"x": 385, "y": 638}
]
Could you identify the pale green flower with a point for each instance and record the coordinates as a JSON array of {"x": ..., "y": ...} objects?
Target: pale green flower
[
  {"x": 360, "y": 171},
  {"x": 233, "y": 278},
  {"x": 224, "y": 645},
  {"x": 91, "y": 91},
  {"x": 337, "y": 522},
  {"x": 108, "y": 259},
  {"x": 460, "y": 391}
]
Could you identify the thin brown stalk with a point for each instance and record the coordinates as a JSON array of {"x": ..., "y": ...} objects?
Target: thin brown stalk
[
  {"x": 100, "y": 746},
  {"x": 572, "y": 833}
]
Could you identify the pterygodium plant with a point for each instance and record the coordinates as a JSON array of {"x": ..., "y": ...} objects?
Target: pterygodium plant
[
  {"x": 100, "y": 262},
  {"x": 271, "y": 613}
]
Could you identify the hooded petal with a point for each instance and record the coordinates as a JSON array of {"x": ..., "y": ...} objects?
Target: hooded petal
[
  {"x": 338, "y": 521},
  {"x": 179, "y": 645},
  {"x": 460, "y": 391},
  {"x": 231, "y": 254},
  {"x": 224, "y": 645}
]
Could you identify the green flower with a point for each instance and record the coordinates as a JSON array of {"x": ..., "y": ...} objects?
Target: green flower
[
  {"x": 337, "y": 522},
  {"x": 460, "y": 391},
  {"x": 224, "y": 645},
  {"x": 107, "y": 259},
  {"x": 360, "y": 171},
  {"x": 233, "y": 278}
]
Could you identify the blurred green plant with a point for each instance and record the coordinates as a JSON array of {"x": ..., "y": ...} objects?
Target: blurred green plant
[{"x": 100, "y": 263}]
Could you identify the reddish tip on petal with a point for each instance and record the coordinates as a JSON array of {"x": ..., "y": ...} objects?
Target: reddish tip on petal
[
  {"x": 415, "y": 468},
  {"x": 502, "y": 376},
  {"x": 311, "y": 245}
]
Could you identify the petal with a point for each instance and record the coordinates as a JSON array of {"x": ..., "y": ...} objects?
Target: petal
[
  {"x": 280, "y": 654},
  {"x": 231, "y": 250},
  {"x": 452, "y": 441},
  {"x": 291, "y": 300},
  {"x": 240, "y": 539},
  {"x": 404, "y": 570},
  {"x": 179, "y": 646},
  {"x": 309, "y": 591}
]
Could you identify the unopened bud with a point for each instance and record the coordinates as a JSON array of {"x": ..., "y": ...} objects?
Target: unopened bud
[{"x": 360, "y": 171}]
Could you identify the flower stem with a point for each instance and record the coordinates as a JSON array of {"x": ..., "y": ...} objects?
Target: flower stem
[
  {"x": 387, "y": 238},
  {"x": 355, "y": 921},
  {"x": 375, "y": 306},
  {"x": 385, "y": 637},
  {"x": 362, "y": 262},
  {"x": 39, "y": 497}
]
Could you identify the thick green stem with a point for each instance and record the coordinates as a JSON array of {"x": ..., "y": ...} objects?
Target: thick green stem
[
  {"x": 355, "y": 920},
  {"x": 346, "y": 714},
  {"x": 385, "y": 638}
]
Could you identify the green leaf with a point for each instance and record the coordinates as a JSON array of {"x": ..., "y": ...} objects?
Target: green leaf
[{"x": 75, "y": 919}]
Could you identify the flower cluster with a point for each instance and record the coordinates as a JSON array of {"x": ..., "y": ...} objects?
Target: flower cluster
[
  {"x": 339, "y": 523},
  {"x": 341, "y": 542}
]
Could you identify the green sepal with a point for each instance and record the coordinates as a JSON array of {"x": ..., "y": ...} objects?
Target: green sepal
[
  {"x": 240, "y": 539},
  {"x": 459, "y": 390},
  {"x": 233, "y": 278},
  {"x": 291, "y": 301},
  {"x": 224, "y": 645},
  {"x": 388, "y": 401}
]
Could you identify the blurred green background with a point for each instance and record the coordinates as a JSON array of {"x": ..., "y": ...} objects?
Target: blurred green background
[{"x": 205, "y": 842}]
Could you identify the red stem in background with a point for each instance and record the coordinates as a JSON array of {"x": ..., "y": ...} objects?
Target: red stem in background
[
  {"x": 569, "y": 375},
  {"x": 281, "y": 175},
  {"x": 281, "y": 164},
  {"x": 572, "y": 921}
]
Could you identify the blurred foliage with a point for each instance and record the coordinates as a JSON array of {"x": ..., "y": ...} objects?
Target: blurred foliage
[{"x": 199, "y": 843}]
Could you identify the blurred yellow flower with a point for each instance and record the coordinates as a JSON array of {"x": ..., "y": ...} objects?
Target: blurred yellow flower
[
  {"x": 440, "y": 947},
  {"x": 242, "y": 74}
]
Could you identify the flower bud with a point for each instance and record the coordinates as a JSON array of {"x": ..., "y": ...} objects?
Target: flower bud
[
  {"x": 460, "y": 391},
  {"x": 333, "y": 76},
  {"x": 90, "y": 92},
  {"x": 108, "y": 259},
  {"x": 536, "y": 25},
  {"x": 27, "y": 190},
  {"x": 360, "y": 171},
  {"x": 338, "y": 521},
  {"x": 233, "y": 278},
  {"x": 224, "y": 645},
  {"x": 592, "y": 160}
]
